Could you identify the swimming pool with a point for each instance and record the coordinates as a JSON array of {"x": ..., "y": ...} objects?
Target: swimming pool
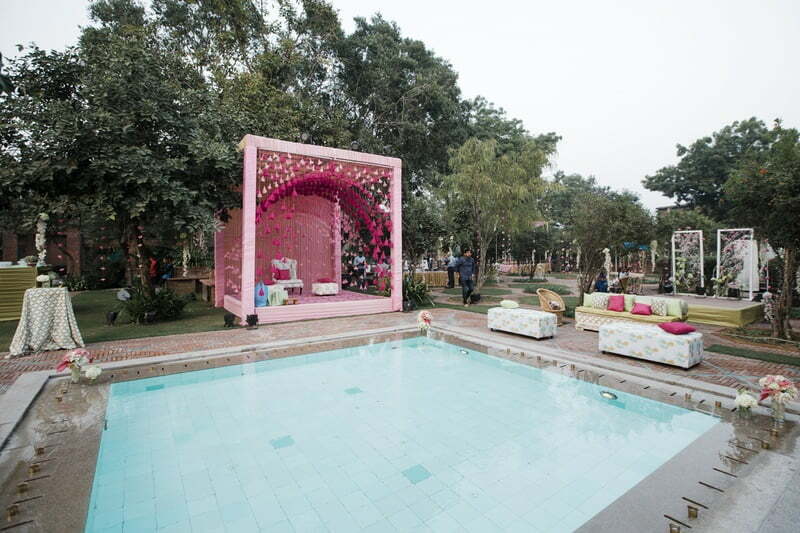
[{"x": 384, "y": 437}]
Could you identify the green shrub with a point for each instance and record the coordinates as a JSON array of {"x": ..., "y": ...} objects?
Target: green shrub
[
  {"x": 145, "y": 306},
  {"x": 416, "y": 291},
  {"x": 76, "y": 283}
]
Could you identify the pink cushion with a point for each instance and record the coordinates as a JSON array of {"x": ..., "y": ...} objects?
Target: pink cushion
[
  {"x": 641, "y": 309},
  {"x": 269, "y": 282},
  {"x": 676, "y": 328},
  {"x": 324, "y": 280},
  {"x": 616, "y": 302},
  {"x": 283, "y": 274}
]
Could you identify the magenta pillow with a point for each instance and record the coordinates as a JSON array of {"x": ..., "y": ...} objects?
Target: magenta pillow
[
  {"x": 641, "y": 309},
  {"x": 269, "y": 282},
  {"x": 283, "y": 274},
  {"x": 676, "y": 328},
  {"x": 616, "y": 302},
  {"x": 324, "y": 280}
]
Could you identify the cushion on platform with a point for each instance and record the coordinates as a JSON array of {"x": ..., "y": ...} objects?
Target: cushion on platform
[
  {"x": 283, "y": 274},
  {"x": 324, "y": 280},
  {"x": 652, "y": 319},
  {"x": 676, "y": 328},
  {"x": 674, "y": 307},
  {"x": 641, "y": 309},
  {"x": 616, "y": 302},
  {"x": 509, "y": 304},
  {"x": 600, "y": 300},
  {"x": 629, "y": 299},
  {"x": 659, "y": 306}
]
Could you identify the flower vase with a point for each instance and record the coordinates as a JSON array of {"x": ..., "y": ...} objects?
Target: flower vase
[
  {"x": 75, "y": 374},
  {"x": 778, "y": 411}
]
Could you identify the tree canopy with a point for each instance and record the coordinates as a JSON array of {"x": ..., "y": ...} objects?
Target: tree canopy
[{"x": 697, "y": 180}]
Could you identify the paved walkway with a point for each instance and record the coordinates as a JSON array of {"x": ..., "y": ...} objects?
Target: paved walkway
[{"x": 716, "y": 368}]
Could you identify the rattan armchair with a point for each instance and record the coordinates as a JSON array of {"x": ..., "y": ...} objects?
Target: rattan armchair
[{"x": 551, "y": 302}]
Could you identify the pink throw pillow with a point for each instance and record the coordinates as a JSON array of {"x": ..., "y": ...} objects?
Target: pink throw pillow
[
  {"x": 641, "y": 309},
  {"x": 616, "y": 302},
  {"x": 676, "y": 328},
  {"x": 324, "y": 280},
  {"x": 283, "y": 274},
  {"x": 269, "y": 282}
]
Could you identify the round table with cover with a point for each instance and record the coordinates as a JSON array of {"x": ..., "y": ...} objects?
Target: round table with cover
[{"x": 47, "y": 323}]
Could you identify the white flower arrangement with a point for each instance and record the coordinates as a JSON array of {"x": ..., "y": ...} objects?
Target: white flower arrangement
[
  {"x": 92, "y": 372},
  {"x": 424, "y": 320},
  {"x": 745, "y": 400}
]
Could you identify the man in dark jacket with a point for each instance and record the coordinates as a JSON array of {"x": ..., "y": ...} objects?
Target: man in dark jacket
[{"x": 465, "y": 266}]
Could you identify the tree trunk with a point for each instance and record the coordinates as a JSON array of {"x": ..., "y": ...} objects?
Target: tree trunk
[{"x": 781, "y": 328}]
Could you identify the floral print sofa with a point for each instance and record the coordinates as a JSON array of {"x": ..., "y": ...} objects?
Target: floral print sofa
[
  {"x": 651, "y": 343},
  {"x": 589, "y": 317},
  {"x": 529, "y": 322}
]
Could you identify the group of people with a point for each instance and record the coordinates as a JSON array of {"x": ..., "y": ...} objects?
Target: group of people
[{"x": 362, "y": 271}]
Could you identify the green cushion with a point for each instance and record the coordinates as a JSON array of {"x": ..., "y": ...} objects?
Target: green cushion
[
  {"x": 509, "y": 304},
  {"x": 643, "y": 300},
  {"x": 587, "y": 299},
  {"x": 674, "y": 308},
  {"x": 629, "y": 298}
]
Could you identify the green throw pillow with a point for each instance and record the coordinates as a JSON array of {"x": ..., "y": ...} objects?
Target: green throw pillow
[
  {"x": 587, "y": 299},
  {"x": 629, "y": 299},
  {"x": 509, "y": 304},
  {"x": 643, "y": 300},
  {"x": 674, "y": 307}
]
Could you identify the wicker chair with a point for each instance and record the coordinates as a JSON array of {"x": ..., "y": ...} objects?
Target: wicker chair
[{"x": 551, "y": 302}]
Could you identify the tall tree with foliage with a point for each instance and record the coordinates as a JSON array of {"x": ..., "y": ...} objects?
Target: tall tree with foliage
[
  {"x": 705, "y": 166},
  {"x": 605, "y": 220},
  {"x": 496, "y": 192},
  {"x": 765, "y": 193}
]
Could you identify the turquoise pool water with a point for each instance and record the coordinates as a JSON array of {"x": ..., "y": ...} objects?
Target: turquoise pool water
[{"x": 399, "y": 436}]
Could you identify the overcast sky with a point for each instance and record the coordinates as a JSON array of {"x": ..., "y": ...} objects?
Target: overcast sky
[{"x": 621, "y": 81}]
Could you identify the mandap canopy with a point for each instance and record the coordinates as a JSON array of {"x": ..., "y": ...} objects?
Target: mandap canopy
[{"x": 320, "y": 207}]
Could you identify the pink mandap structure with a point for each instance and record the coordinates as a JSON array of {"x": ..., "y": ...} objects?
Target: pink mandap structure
[{"x": 320, "y": 207}]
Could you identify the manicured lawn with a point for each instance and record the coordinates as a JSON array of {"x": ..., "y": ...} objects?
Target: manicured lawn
[
  {"x": 484, "y": 291},
  {"x": 481, "y": 309},
  {"x": 755, "y": 354},
  {"x": 532, "y": 287},
  {"x": 91, "y": 308}
]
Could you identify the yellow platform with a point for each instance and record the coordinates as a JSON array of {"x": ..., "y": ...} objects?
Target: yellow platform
[{"x": 732, "y": 317}]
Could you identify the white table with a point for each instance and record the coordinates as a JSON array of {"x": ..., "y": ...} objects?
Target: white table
[
  {"x": 324, "y": 289},
  {"x": 651, "y": 343}
]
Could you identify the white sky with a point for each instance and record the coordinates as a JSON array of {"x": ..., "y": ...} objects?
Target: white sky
[{"x": 621, "y": 81}]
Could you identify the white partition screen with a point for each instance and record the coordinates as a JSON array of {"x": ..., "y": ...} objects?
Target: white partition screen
[
  {"x": 737, "y": 261},
  {"x": 687, "y": 261}
]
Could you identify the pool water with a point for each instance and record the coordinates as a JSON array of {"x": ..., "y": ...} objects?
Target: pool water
[{"x": 397, "y": 436}]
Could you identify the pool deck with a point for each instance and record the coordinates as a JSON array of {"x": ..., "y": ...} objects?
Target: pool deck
[{"x": 720, "y": 369}]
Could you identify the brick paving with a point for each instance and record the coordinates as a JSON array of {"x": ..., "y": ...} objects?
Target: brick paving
[{"x": 717, "y": 368}]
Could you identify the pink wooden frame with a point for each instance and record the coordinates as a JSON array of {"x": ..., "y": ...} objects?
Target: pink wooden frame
[{"x": 243, "y": 305}]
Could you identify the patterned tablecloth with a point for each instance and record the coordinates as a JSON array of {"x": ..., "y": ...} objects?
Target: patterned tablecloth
[{"x": 47, "y": 323}]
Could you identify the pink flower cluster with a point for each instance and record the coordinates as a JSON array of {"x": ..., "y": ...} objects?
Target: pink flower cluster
[
  {"x": 777, "y": 387},
  {"x": 76, "y": 358}
]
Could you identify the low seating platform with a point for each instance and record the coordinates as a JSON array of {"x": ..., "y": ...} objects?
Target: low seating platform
[
  {"x": 651, "y": 343},
  {"x": 528, "y": 322}
]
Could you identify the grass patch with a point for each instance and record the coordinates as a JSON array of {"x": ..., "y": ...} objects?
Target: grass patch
[
  {"x": 91, "y": 308},
  {"x": 494, "y": 300},
  {"x": 531, "y": 288},
  {"x": 485, "y": 291},
  {"x": 570, "y": 301},
  {"x": 770, "y": 357}
]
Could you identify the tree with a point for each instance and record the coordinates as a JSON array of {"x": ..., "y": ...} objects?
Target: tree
[
  {"x": 765, "y": 193},
  {"x": 704, "y": 167},
  {"x": 121, "y": 127},
  {"x": 401, "y": 99},
  {"x": 422, "y": 226},
  {"x": 496, "y": 192},
  {"x": 605, "y": 220}
]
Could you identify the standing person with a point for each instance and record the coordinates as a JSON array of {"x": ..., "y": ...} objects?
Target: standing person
[
  {"x": 465, "y": 265},
  {"x": 360, "y": 266},
  {"x": 451, "y": 271}
]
